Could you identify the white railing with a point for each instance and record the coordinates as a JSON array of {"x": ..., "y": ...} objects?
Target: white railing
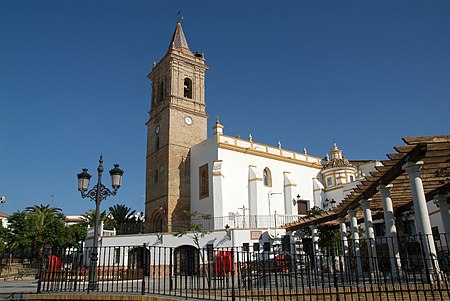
[
  {"x": 247, "y": 222},
  {"x": 101, "y": 231}
]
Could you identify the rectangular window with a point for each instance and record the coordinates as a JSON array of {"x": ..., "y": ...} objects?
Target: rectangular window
[
  {"x": 329, "y": 181},
  {"x": 203, "y": 181},
  {"x": 435, "y": 231},
  {"x": 302, "y": 207},
  {"x": 156, "y": 175}
]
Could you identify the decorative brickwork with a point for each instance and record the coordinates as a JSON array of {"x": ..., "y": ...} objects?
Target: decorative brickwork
[{"x": 177, "y": 122}]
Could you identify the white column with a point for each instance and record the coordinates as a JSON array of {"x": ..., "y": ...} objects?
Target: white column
[
  {"x": 315, "y": 245},
  {"x": 217, "y": 191},
  {"x": 343, "y": 230},
  {"x": 421, "y": 215},
  {"x": 443, "y": 209},
  {"x": 289, "y": 193},
  {"x": 255, "y": 186},
  {"x": 355, "y": 238},
  {"x": 370, "y": 234},
  {"x": 391, "y": 230}
]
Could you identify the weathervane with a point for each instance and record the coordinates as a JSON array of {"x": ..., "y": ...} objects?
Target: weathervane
[{"x": 179, "y": 16}]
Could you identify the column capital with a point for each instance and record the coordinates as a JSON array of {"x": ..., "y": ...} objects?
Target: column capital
[
  {"x": 385, "y": 190},
  {"x": 352, "y": 213},
  {"x": 341, "y": 220},
  {"x": 313, "y": 227},
  {"x": 412, "y": 166},
  {"x": 365, "y": 203}
]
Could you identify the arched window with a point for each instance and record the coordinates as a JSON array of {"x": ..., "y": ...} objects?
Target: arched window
[
  {"x": 156, "y": 222},
  {"x": 187, "y": 87},
  {"x": 187, "y": 261},
  {"x": 161, "y": 92},
  {"x": 138, "y": 257},
  {"x": 267, "y": 177},
  {"x": 203, "y": 181}
]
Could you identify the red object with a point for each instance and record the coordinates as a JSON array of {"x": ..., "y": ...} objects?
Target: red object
[
  {"x": 54, "y": 263},
  {"x": 224, "y": 260},
  {"x": 281, "y": 262}
]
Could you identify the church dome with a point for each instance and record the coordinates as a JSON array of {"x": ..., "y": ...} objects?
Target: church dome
[
  {"x": 339, "y": 162},
  {"x": 336, "y": 159}
]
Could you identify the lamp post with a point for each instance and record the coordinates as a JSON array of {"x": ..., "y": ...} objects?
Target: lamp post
[
  {"x": 270, "y": 212},
  {"x": 98, "y": 193}
]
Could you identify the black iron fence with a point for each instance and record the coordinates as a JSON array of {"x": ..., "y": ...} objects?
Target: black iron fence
[{"x": 383, "y": 269}]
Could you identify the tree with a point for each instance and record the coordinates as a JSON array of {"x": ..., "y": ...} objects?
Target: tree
[
  {"x": 19, "y": 231},
  {"x": 121, "y": 215},
  {"x": 90, "y": 217},
  {"x": 48, "y": 227},
  {"x": 76, "y": 233},
  {"x": 3, "y": 239},
  {"x": 44, "y": 219},
  {"x": 34, "y": 228}
]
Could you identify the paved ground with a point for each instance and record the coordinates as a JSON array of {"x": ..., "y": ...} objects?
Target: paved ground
[{"x": 7, "y": 288}]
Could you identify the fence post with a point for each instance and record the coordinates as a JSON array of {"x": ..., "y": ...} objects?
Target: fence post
[
  {"x": 233, "y": 293},
  {"x": 170, "y": 270},
  {"x": 144, "y": 266},
  {"x": 41, "y": 267}
]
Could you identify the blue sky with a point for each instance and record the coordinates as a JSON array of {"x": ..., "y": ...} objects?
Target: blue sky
[{"x": 73, "y": 82}]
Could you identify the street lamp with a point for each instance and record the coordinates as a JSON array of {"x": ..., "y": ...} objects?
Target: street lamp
[
  {"x": 97, "y": 194},
  {"x": 270, "y": 212},
  {"x": 333, "y": 203}
]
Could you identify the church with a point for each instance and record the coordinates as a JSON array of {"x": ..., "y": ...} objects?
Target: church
[
  {"x": 242, "y": 192},
  {"x": 240, "y": 213},
  {"x": 238, "y": 183}
]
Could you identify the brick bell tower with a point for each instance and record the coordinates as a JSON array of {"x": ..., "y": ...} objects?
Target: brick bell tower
[{"x": 177, "y": 122}]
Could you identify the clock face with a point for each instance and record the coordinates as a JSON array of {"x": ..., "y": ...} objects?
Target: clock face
[
  {"x": 157, "y": 129},
  {"x": 188, "y": 120}
]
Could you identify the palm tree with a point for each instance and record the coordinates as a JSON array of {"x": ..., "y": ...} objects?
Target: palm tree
[
  {"x": 47, "y": 223},
  {"x": 90, "y": 217},
  {"x": 121, "y": 214}
]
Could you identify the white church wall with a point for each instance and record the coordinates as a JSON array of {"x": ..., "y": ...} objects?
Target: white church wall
[
  {"x": 337, "y": 195},
  {"x": 369, "y": 167},
  {"x": 202, "y": 153},
  {"x": 235, "y": 169},
  {"x": 435, "y": 216}
]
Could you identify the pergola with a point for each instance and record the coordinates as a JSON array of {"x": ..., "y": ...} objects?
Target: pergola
[
  {"x": 419, "y": 172},
  {"x": 433, "y": 151}
]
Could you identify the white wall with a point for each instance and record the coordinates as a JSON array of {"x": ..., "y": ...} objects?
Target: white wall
[
  {"x": 219, "y": 239},
  {"x": 202, "y": 153},
  {"x": 235, "y": 181},
  {"x": 235, "y": 170}
]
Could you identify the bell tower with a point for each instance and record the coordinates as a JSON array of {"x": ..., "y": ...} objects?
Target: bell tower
[{"x": 178, "y": 121}]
